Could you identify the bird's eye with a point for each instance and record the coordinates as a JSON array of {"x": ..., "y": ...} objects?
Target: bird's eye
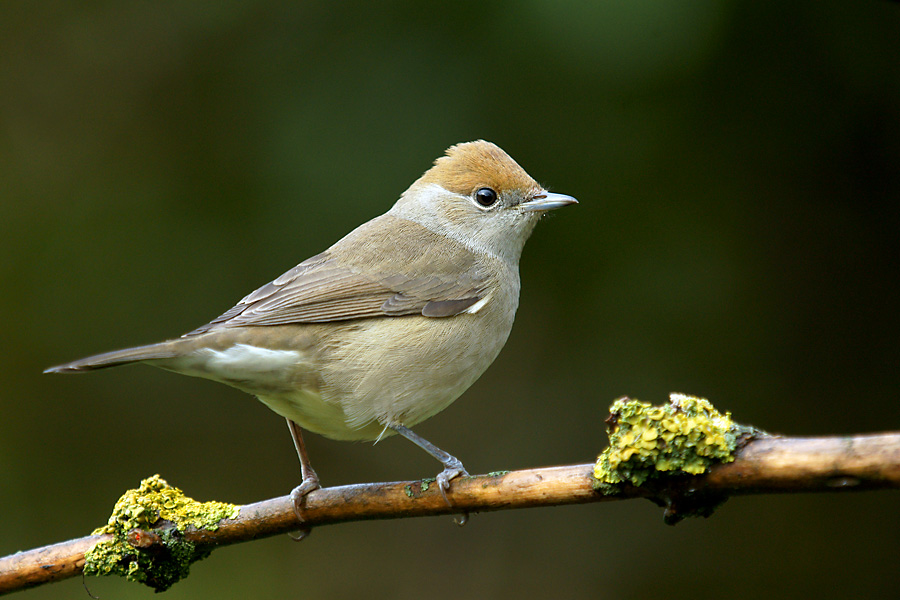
[{"x": 486, "y": 197}]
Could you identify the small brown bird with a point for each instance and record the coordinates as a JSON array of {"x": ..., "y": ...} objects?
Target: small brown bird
[{"x": 388, "y": 326}]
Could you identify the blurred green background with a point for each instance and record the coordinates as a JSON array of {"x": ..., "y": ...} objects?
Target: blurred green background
[{"x": 738, "y": 237}]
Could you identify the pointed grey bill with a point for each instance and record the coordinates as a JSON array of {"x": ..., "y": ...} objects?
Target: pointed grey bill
[{"x": 547, "y": 201}]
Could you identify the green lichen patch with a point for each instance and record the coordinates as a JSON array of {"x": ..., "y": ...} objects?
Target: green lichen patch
[
  {"x": 418, "y": 488},
  {"x": 496, "y": 474},
  {"x": 685, "y": 436},
  {"x": 163, "y": 511}
]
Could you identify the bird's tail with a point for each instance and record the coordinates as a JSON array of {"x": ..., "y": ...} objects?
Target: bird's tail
[{"x": 119, "y": 357}]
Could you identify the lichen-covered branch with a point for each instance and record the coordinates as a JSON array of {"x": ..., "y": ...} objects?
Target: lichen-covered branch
[{"x": 765, "y": 464}]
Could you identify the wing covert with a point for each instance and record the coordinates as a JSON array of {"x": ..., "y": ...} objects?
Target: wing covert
[{"x": 364, "y": 276}]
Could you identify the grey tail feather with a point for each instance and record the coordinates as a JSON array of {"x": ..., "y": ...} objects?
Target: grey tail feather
[{"x": 117, "y": 357}]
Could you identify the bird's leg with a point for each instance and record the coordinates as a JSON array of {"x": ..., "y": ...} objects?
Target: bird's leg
[
  {"x": 310, "y": 480},
  {"x": 453, "y": 467}
]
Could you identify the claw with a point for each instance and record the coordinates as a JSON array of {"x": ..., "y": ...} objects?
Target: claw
[
  {"x": 300, "y": 534},
  {"x": 443, "y": 480},
  {"x": 444, "y": 477},
  {"x": 298, "y": 496}
]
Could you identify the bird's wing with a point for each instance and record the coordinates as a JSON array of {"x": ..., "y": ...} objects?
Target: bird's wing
[{"x": 403, "y": 269}]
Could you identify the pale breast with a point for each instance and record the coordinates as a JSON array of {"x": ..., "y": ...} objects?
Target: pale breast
[{"x": 406, "y": 370}]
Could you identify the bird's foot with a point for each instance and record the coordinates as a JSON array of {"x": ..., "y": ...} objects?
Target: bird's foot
[
  {"x": 452, "y": 469},
  {"x": 298, "y": 497},
  {"x": 444, "y": 477}
]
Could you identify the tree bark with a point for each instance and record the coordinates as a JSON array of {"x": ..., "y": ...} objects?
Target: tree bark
[{"x": 767, "y": 465}]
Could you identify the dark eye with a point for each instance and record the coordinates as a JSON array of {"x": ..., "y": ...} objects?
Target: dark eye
[{"x": 486, "y": 197}]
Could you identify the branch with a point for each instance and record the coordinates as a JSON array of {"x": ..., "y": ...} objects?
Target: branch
[{"x": 767, "y": 465}]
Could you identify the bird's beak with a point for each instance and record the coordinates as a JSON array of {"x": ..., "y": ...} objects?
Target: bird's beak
[{"x": 544, "y": 201}]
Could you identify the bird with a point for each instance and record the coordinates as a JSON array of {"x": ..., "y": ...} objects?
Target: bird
[{"x": 389, "y": 325}]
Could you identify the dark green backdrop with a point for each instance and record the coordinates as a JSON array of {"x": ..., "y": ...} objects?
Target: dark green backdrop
[{"x": 737, "y": 238}]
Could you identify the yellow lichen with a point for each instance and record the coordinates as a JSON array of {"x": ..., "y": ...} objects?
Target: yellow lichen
[
  {"x": 154, "y": 504},
  {"x": 686, "y": 435},
  {"x": 156, "y": 499}
]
